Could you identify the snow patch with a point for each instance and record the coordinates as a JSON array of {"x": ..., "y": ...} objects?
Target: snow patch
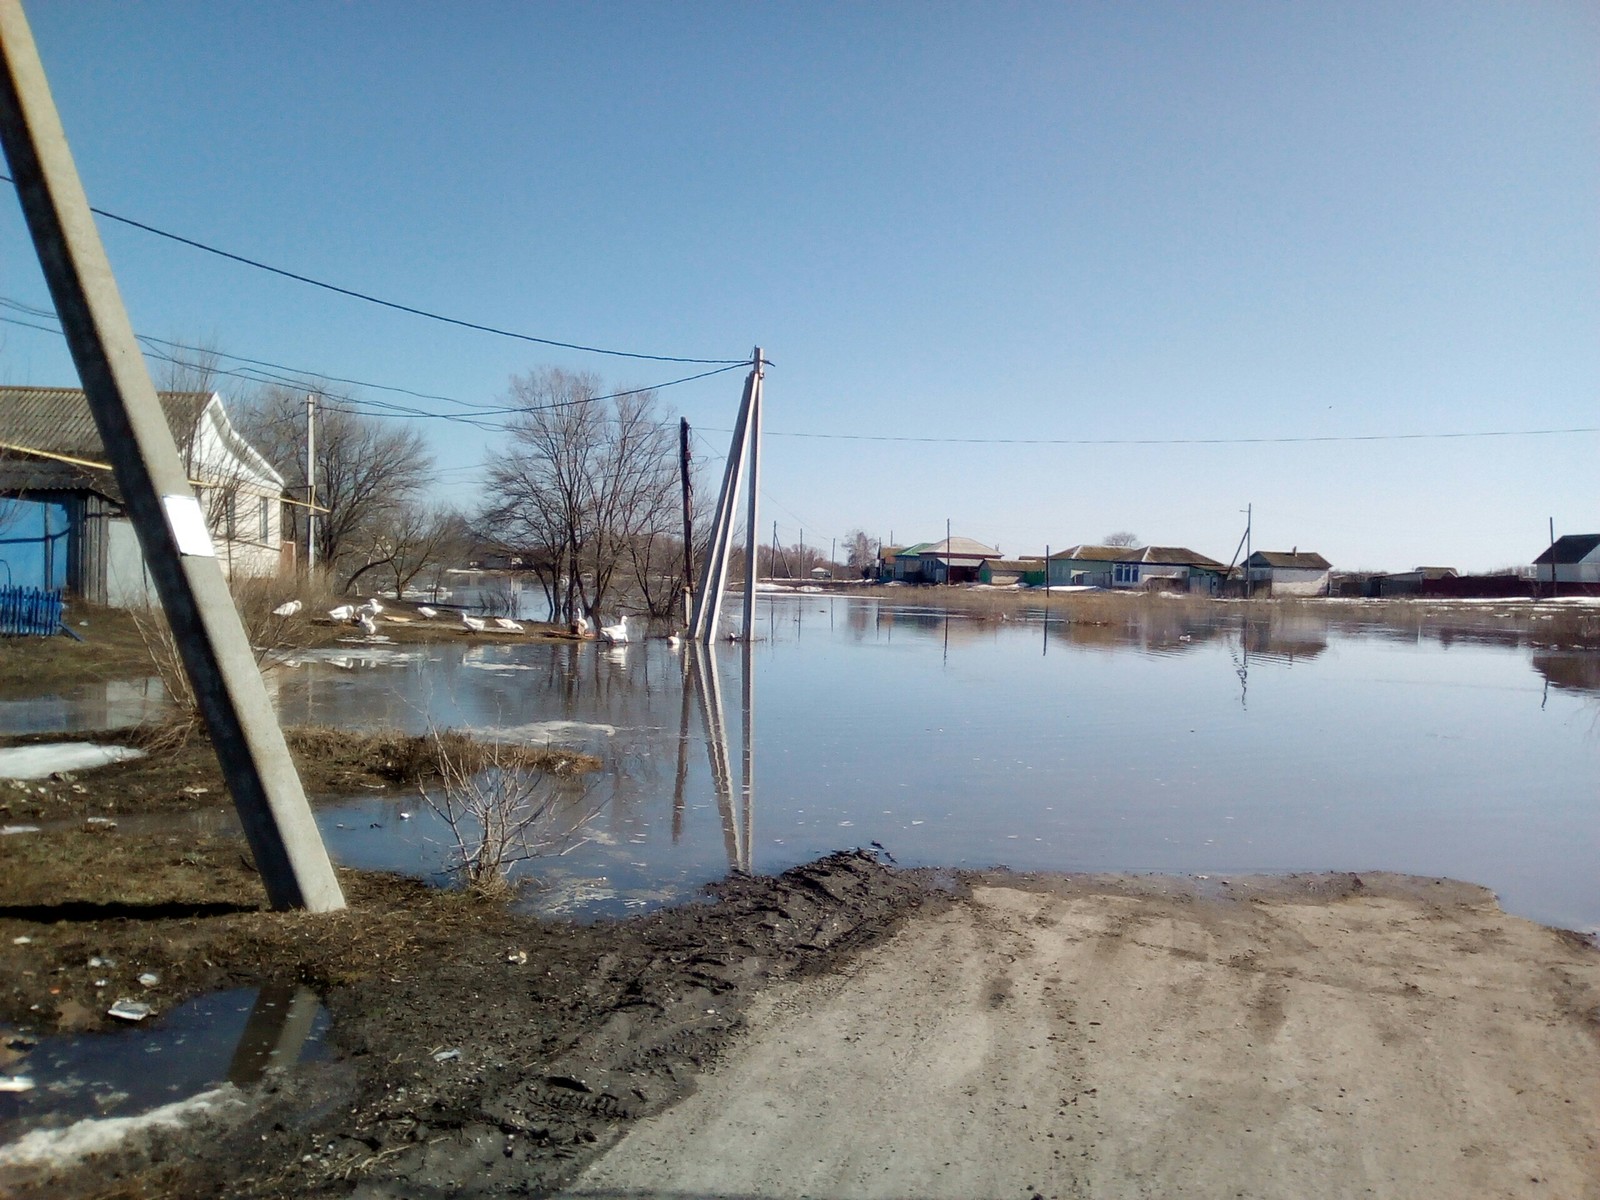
[
  {"x": 37, "y": 762},
  {"x": 96, "y": 1135}
]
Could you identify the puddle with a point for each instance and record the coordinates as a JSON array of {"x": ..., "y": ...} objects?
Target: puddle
[
  {"x": 115, "y": 705},
  {"x": 225, "y": 1037}
]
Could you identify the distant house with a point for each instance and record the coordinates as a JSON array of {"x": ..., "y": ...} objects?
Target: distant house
[
  {"x": 1288, "y": 574},
  {"x": 1175, "y": 568},
  {"x": 1008, "y": 572},
  {"x": 954, "y": 560},
  {"x": 905, "y": 564},
  {"x": 52, "y": 480},
  {"x": 1085, "y": 566},
  {"x": 1408, "y": 583},
  {"x": 1575, "y": 558}
]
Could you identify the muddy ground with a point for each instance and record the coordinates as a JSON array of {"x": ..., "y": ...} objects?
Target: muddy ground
[{"x": 928, "y": 1034}]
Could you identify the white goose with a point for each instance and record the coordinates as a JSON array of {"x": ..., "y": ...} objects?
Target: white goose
[
  {"x": 427, "y": 613},
  {"x": 288, "y": 608},
  {"x": 508, "y": 625},
  {"x": 345, "y": 612},
  {"x": 616, "y": 634},
  {"x": 581, "y": 627},
  {"x": 476, "y": 624},
  {"x": 368, "y": 625}
]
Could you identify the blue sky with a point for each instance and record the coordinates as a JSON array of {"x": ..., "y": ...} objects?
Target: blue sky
[{"x": 1063, "y": 222}]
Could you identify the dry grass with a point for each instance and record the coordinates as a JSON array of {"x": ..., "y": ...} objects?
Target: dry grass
[{"x": 406, "y": 758}]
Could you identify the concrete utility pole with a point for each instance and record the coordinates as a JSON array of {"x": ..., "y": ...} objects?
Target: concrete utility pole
[
  {"x": 714, "y": 570},
  {"x": 177, "y": 546}
]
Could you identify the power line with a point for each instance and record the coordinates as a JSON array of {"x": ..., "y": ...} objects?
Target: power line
[
  {"x": 1221, "y": 441},
  {"x": 260, "y": 371},
  {"x": 393, "y": 304}
]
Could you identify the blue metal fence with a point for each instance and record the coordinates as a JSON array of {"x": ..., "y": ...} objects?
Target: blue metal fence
[{"x": 29, "y": 612}]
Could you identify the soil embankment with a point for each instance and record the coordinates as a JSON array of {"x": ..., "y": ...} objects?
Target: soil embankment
[{"x": 1323, "y": 1037}]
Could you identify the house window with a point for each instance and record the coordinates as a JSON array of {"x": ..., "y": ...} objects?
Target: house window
[
  {"x": 265, "y": 510},
  {"x": 1125, "y": 573}
]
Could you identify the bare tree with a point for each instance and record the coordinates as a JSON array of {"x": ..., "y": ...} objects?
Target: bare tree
[
  {"x": 369, "y": 472},
  {"x": 413, "y": 540},
  {"x": 588, "y": 486},
  {"x": 1120, "y": 539},
  {"x": 183, "y": 367},
  {"x": 860, "y": 552}
]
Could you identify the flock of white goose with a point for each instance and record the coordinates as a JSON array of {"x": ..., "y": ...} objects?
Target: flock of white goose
[{"x": 365, "y": 615}]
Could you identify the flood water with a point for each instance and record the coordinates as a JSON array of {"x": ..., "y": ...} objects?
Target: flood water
[{"x": 1162, "y": 741}]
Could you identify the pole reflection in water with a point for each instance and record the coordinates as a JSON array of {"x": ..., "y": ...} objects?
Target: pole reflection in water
[
  {"x": 737, "y": 819},
  {"x": 281, "y": 1020}
]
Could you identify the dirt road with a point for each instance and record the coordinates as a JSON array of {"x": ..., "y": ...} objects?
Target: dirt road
[{"x": 1320, "y": 1037}]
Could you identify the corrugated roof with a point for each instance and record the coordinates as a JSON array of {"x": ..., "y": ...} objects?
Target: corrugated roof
[
  {"x": 960, "y": 547},
  {"x": 1177, "y": 556},
  {"x": 1278, "y": 558},
  {"x": 1097, "y": 553},
  {"x": 57, "y": 420},
  {"x": 1570, "y": 548}
]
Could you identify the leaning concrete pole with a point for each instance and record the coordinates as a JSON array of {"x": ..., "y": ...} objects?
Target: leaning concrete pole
[
  {"x": 177, "y": 546},
  {"x": 753, "y": 512}
]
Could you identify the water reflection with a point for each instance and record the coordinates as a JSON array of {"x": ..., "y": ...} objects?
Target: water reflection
[
  {"x": 117, "y": 704},
  {"x": 1570, "y": 670},
  {"x": 232, "y": 1036}
]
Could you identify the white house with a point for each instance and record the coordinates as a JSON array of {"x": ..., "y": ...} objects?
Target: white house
[
  {"x": 52, "y": 465},
  {"x": 1288, "y": 574},
  {"x": 1576, "y": 558}
]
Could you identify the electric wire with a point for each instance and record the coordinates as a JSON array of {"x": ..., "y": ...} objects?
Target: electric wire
[
  {"x": 261, "y": 371},
  {"x": 394, "y": 304}
]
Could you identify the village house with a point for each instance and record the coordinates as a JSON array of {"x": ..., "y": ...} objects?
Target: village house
[
  {"x": 1009, "y": 572},
  {"x": 64, "y": 523},
  {"x": 954, "y": 560},
  {"x": 1173, "y": 568},
  {"x": 1407, "y": 583},
  {"x": 1574, "y": 558},
  {"x": 1295, "y": 573}
]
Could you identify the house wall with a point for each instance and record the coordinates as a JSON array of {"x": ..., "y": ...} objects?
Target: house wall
[
  {"x": 908, "y": 568},
  {"x": 1094, "y": 572},
  {"x": 240, "y": 496},
  {"x": 127, "y": 580},
  {"x": 1587, "y": 571},
  {"x": 1293, "y": 581}
]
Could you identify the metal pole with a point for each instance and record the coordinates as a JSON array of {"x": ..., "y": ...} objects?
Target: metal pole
[
  {"x": 752, "y": 514},
  {"x": 311, "y": 486},
  {"x": 177, "y": 546}
]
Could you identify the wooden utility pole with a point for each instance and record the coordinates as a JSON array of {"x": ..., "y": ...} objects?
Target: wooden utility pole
[
  {"x": 688, "y": 518},
  {"x": 261, "y": 776},
  {"x": 1552, "y": 558},
  {"x": 311, "y": 486}
]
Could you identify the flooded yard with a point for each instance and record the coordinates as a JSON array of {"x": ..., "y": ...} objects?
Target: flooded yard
[{"x": 1163, "y": 740}]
